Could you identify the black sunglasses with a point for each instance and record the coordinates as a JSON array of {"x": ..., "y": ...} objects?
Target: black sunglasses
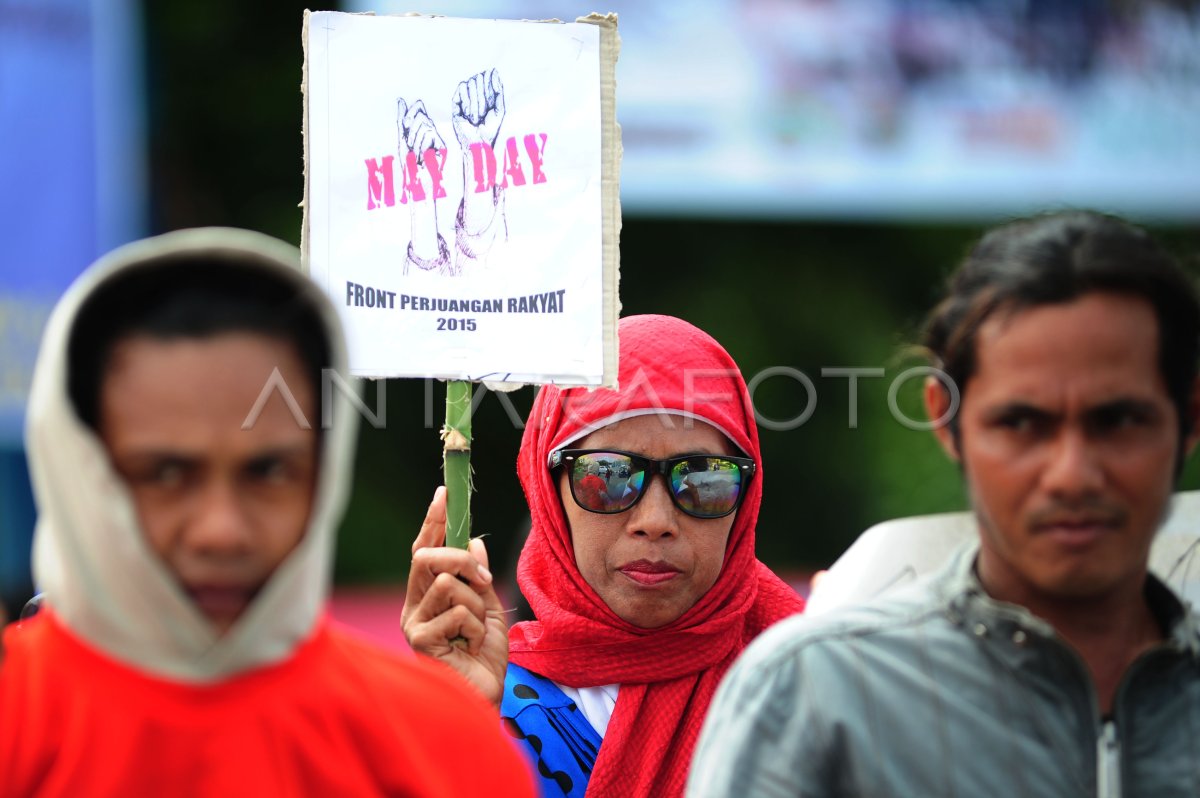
[{"x": 611, "y": 481}]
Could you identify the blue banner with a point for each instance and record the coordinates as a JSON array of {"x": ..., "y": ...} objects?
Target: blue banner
[
  {"x": 71, "y": 164},
  {"x": 72, "y": 186}
]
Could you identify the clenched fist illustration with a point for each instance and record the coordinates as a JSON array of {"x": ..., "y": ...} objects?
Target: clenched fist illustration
[{"x": 477, "y": 109}]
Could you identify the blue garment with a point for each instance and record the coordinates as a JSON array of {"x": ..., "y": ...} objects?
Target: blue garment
[{"x": 551, "y": 731}]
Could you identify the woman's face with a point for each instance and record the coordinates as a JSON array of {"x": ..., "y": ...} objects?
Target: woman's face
[{"x": 652, "y": 562}]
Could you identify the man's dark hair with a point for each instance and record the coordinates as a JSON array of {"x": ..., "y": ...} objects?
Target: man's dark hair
[
  {"x": 193, "y": 298},
  {"x": 1057, "y": 258}
]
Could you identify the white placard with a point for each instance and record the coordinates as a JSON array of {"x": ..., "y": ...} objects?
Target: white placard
[{"x": 459, "y": 201}]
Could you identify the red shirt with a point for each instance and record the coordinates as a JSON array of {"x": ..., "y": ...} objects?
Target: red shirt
[{"x": 340, "y": 717}]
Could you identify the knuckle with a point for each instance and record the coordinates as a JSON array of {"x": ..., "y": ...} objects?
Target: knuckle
[
  {"x": 463, "y": 614},
  {"x": 446, "y": 579},
  {"x": 442, "y": 586},
  {"x": 419, "y": 638}
]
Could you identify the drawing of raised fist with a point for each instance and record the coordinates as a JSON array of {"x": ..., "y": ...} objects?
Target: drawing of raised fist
[
  {"x": 477, "y": 112},
  {"x": 416, "y": 129},
  {"x": 423, "y": 172},
  {"x": 477, "y": 109}
]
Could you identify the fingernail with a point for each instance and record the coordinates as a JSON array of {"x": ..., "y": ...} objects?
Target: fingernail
[{"x": 485, "y": 573}]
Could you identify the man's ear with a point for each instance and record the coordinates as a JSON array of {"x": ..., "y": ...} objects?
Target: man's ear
[
  {"x": 941, "y": 407},
  {"x": 1193, "y": 411}
]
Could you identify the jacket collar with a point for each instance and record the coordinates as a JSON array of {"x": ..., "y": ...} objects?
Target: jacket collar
[{"x": 970, "y": 605}]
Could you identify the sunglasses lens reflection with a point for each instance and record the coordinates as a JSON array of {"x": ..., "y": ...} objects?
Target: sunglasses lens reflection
[
  {"x": 609, "y": 482},
  {"x": 707, "y": 487},
  {"x": 606, "y": 482}
]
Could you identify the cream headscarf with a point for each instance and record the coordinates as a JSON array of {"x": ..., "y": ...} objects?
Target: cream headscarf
[{"x": 90, "y": 558}]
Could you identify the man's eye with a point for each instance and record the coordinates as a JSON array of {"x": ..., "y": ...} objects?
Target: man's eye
[
  {"x": 273, "y": 470},
  {"x": 167, "y": 474},
  {"x": 1016, "y": 423},
  {"x": 1023, "y": 423},
  {"x": 1119, "y": 418},
  {"x": 266, "y": 469}
]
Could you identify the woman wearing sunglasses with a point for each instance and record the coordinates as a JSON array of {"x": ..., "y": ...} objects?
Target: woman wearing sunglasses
[{"x": 639, "y": 566}]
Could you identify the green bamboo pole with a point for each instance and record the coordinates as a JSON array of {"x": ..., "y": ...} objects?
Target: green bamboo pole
[{"x": 456, "y": 460}]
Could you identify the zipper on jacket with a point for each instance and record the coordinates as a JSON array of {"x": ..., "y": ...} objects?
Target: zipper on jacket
[{"x": 1108, "y": 761}]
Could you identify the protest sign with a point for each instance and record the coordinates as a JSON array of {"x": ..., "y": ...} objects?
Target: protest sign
[{"x": 461, "y": 199}]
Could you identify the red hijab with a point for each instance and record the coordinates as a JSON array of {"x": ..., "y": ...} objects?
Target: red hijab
[{"x": 667, "y": 675}]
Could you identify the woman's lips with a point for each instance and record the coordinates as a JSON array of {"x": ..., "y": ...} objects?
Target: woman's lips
[{"x": 648, "y": 573}]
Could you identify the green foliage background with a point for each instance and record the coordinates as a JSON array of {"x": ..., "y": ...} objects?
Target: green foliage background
[{"x": 225, "y": 132}]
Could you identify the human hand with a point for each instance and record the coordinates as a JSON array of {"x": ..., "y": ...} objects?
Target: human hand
[
  {"x": 415, "y": 128},
  {"x": 451, "y": 611},
  {"x": 418, "y": 135},
  {"x": 477, "y": 109}
]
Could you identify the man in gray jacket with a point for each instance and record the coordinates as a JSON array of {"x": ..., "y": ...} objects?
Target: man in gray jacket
[{"x": 1045, "y": 660}]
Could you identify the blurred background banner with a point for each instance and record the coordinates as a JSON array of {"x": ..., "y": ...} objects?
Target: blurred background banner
[
  {"x": 72, "y": 186},
  {"x": 898, "y": 109}
]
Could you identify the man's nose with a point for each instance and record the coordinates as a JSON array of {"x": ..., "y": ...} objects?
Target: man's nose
[
  {"x": 220, "y": 524},
  {"x": 1074, "y": 467}
]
